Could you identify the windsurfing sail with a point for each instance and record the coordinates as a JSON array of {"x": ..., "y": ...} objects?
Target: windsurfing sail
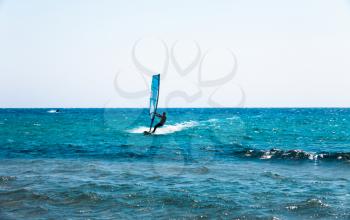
[{"x": 153, "y": 102}]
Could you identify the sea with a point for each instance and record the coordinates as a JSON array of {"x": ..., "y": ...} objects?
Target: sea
[{"x": 205, "y": 163}]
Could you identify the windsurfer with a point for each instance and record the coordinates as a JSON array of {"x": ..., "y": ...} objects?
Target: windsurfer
[{"x": 162, "y": 121}]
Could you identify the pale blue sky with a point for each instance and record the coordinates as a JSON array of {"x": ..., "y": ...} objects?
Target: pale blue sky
[{"x": 66, "y": 53}]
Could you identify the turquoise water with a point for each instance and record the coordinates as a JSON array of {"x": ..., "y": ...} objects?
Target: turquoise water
[{"x": 204, "y": 164}]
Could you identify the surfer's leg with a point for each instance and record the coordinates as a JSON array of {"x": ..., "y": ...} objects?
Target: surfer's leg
[{"x": 155, "y": 127}]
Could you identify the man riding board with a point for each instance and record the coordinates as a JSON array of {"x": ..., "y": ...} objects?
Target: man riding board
[{"x": 162, "y": 121}]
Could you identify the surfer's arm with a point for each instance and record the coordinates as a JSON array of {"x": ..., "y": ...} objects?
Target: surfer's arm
[{"x": 158, "y": 115}]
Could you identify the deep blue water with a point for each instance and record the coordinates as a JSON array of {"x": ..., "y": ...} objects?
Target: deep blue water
[{"x": 204, "y": 164}]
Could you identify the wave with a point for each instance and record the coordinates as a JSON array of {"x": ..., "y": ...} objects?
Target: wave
[
  {"x": 293, "y": 155},
  {"x": 23, "y": 194},
  {"x": 212, "y": 120},
  {"x": 308, "y": 204},
  {"x": 166, "y": 129},
  {"x": 5, "y": 179},
  {"x": 52, "y": 111}
]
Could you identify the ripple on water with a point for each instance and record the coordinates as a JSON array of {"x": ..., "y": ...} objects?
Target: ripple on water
[
  {"x": 310, "y": 203},
  {"x": 27, "y": 196},
  {"x": 6, "y": 179},
  {"x": 313, "y": 207},
  {"x": 198, "y": 170}
]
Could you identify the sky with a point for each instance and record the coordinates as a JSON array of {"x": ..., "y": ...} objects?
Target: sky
[{"x": 225, "y": 53}]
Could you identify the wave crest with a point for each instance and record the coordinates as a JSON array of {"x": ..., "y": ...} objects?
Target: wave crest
[
  {"x": 166, "y": 129},
  {"x": 294, "y": 155}
]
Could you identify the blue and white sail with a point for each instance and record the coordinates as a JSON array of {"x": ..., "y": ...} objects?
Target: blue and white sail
[{"x": 153, "y": 104}]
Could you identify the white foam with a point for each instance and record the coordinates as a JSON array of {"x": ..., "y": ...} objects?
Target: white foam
[
  {"x": 166, "y": 129},
  {"x": 211, "y": 121},
  {"x": 52, "y": 111}
]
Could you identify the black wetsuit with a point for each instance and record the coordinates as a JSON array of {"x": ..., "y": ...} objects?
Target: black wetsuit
[{"x": 160, "y": 124}]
